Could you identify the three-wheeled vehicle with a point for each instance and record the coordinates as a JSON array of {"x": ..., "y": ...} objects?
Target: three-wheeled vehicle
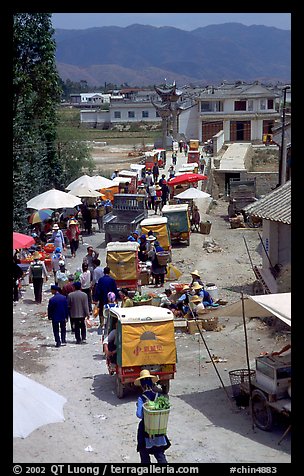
[
  {"x": 133, "y": 182},
  {"x": 271, "y": 389},
  {"x": 155, "y": 156},
  {"x": 179, "y": 222},
  {"x": 144, "y": 340},
  {"x": 160, "y": 227},
  {"x": 193, "y": 156},
  {"x": 122, "y": 259},
  {"x": 140, "y": 169}
]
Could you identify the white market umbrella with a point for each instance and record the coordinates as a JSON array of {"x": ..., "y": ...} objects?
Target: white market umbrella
[
  {"x": 98, "y": 182},
  {"x": 85, "y": 180},
  {"x": 83, "y": 191},
  {"x": 192, "y": 193},
  {"x": 94, "y": 183},
  {"x": 34, "y": 405},
  {"x": 53, "y": 199}
]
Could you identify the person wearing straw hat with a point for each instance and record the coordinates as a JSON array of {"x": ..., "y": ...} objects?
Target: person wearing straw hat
[
  {"x": 158, "y": 199},
  {"x": 195, "y": 301},
  {"x": 57, "y": 237},
  {"x": 183, "y": 301},
  {"x": 158, "y": 444},
  {"x": 72, "y": 234},
  {"x": 196, "y": 278},
  {"x": 204, "y": 295},
  {"x": 37, "y": 271}
]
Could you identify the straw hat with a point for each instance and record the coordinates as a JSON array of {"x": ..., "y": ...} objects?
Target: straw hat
[
  {"x": 145, "y": 374},
  {"x": 55, "y": 227},
  {"x": 186, "y": 287},
  {"x": 196, "y": 273},
  {"x": 36, "y": 255},
  {"x": 151, "y": 238},
  {"x": 196, "y": 299},
  {"x": 157, "y": 187},
  {"x": 73, "y": 222},
  {"x": 197, "y": 286}
]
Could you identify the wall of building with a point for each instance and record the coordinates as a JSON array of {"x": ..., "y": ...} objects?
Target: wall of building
[
  {"x": 137, "y": 109},
  {"x": 189, "y": 123},
  {"x": 265, "y": 182},
  {"x": 218, "y": 142},
  {"x": 94, "y": 118}
]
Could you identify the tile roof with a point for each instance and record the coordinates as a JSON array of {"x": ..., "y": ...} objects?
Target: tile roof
[{"x": 275, "y": 206}]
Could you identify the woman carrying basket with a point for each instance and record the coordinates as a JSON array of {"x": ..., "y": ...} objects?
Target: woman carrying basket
[
  {"x": 158, "y": 270},
  {"x": 158, "y": 444}
]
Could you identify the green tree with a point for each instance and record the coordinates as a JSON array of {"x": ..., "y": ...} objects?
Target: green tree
[{"x": 36, "y": 94}]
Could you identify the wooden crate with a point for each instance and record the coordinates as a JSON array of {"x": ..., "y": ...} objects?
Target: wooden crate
[{"x": 210, "y": 323}]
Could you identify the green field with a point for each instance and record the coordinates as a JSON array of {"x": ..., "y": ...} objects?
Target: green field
[{"x": 69, "y": 124}]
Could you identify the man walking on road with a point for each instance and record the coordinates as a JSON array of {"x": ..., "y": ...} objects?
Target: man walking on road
[
  {"x": 78, "y": 307},
  {"x": 58, "y": 314},
  {"x": 37, "y": 271},
  {"x": 105, "y": 285}
]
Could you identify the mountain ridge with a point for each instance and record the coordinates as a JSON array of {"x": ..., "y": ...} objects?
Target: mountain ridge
[{"x": 146, "y": 55}]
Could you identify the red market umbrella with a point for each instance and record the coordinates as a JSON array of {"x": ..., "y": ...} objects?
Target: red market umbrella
[
  {"x": 22, "y": 241},
  {"x": 186, "y": 178}
]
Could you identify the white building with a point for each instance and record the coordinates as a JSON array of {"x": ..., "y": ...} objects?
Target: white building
[{"x": 244, "y": 112}]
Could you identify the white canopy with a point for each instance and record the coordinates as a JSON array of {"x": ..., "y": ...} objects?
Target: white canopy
[
  {"x": 53, "y": 199},
  {"x": 192, "y": 193},
  {"x": 34, "y": 405},
  {"x": 83, "y": 191},
  {"x": 94, "y": 183},
  {"x": 265, "y": 305}
]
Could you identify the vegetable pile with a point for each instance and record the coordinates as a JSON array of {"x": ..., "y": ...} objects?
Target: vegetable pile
[
  {"x": 160, "y": 403},
  {"x": 141, "y": 297}
]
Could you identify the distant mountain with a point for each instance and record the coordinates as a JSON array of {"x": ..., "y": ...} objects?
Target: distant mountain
[{"x": 141, "y": 55}]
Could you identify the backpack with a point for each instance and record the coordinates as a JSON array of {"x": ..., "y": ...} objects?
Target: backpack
[{"x": 36, "y": 270}]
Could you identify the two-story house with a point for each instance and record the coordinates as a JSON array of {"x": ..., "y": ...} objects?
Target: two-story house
[{"x": 244, "y": 112}]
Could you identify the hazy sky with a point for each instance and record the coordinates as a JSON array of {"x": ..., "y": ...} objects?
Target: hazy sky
[{"x": 184, "y": 21}]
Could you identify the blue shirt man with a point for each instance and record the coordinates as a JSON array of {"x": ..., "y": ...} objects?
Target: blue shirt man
[
  {"x": 105, "y": 285},
  {"x": 58, "y": 314}
]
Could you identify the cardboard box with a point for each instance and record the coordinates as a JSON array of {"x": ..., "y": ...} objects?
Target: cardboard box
[
  {"x": 192, "y": 325},
  {"x": 144, "y": 276}
]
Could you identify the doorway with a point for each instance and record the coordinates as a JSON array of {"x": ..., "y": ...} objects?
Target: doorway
[{"x": 229, "y": 176}]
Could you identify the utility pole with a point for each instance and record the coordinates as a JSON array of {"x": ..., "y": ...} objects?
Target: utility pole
[{"x": 282, "y": 170}]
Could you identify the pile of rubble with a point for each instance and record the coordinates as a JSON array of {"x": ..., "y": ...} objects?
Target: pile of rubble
[{"x": 211, "y": 246}]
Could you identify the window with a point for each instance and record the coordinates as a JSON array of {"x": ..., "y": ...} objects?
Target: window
[
  {"x": 206, "y": 106},
  {"x": 263, "y": 104},
  {"x": 240, "y": 105},
  {"x": 218, "y": 106},
  {"x": 211, "y": 106},
  {"x": 269, "y": 103},
  {"x": 131, "y": 114},
  {"x": 145, "y": 114},
  {"x": 250, "y": 105},
  {"x": 117, "y": 114}
]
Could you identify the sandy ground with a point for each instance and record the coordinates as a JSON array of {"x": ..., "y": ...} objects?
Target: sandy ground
[{"x": 205, "y": 424}]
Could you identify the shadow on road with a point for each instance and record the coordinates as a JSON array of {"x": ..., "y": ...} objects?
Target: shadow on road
[{"x": 215, "y": 406}]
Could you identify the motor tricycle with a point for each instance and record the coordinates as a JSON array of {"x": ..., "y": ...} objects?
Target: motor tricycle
[
  {"x": 122, "y": 259},
  {"x": 144, "y": 340},
  {"x": 270, "y": 389},
  {"x": 160, "y": 228},
  {"x": 179, "y": 222}
]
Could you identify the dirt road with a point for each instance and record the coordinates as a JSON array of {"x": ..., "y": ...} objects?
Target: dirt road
[{"x": 205, "y": 424}]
